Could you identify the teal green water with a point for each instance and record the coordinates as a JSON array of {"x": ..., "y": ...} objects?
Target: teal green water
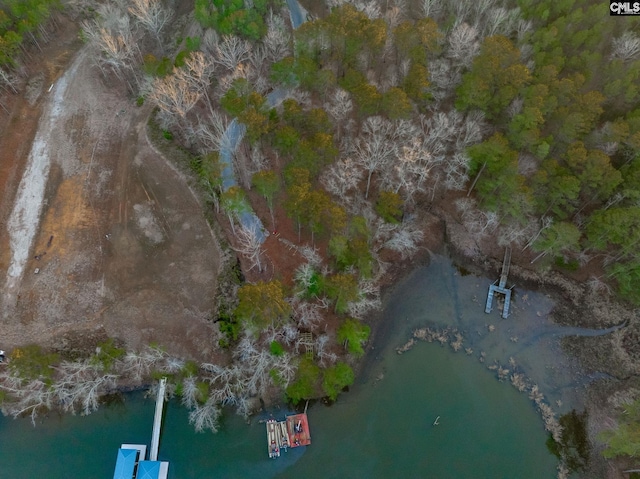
[{"x": 382, "y": 428}]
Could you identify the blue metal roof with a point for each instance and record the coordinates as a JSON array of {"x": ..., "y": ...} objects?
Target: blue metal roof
[
  {"x": 148, "y": 470},
  {"x": 125, "y": 464}
]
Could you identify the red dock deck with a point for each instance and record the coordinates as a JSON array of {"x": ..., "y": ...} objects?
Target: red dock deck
[{"x": 298, "y": 430}]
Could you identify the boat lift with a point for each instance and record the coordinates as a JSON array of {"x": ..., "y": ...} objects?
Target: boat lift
[{"x": 501, "y": 287}]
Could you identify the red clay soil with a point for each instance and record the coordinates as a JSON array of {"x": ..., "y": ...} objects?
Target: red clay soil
[{"x": 19, "y": 126}]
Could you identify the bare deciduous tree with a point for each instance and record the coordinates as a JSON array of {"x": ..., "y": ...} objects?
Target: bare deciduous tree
[
  {"x": 340, "y": 105},
  {"x": 256, "y": 364},
  {"x": 342, "y": 177},
  {"x": 250, "y": 246},
  {"x": 410, "y": 170},
  {"x": 626, "y": 47},
  {"x": 444, "y": 78},
  {"x": 379, "y": 143},
  {"x": 477, "y": 222},
  {"x": 232, "y": 51},
  {"x": 190, "y": 392},
  {"x": 139, "y": 365},
  {"x": 277, "y": 41},
  {"x": 471, "y": 130},
  {"x": 173, "y": 95},
  {"x": 325, "y": 356},
  {"x": 431, "y": 8},
  {"x": 405, "y": 240},
  {"x": 152, "y": 15},
  {"x": 209, "y": 41},
  {"x": 27, "y": 397},
  {"x": 306, "y": 314},
  {"x": 211, "y": 133},
  {"x": 205, "y": 416},
  {"x": 463, "y": 44},
  {"x": 8, "y": 79},
  {"x": 456, "y": 171},
  {"x": 80, "y": 384},
  {"x": 370, "y": 8},
  {"x": 513, "y": 233},
  {"x": 196, "y": 73},
  {"x": 545, "y": 222},
  {"x": 289, "y": 334},
  {"x": 304, "y": 276},
  {"x": 393, "y": 16},
  {"x": 368, "y": 299},
  {"x": 501, "y": 21},
  {"x": 523, "y": 27}
]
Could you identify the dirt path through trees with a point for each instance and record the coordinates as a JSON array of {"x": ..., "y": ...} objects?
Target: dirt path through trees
[{"x": 105, "y": 238}]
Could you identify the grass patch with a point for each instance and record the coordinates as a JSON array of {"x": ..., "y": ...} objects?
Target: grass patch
[
  {"x": 107, "y": 353},
  {"x": 32, "y": 362},
  {"x": 276, "y": 348}
]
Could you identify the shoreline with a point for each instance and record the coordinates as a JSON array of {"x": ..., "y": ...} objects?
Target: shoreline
[
  {"x": 573, "y": 307},
  {"x": 381, "y": 326}
]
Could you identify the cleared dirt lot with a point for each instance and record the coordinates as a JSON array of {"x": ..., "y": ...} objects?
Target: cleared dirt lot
[{"x": 120, "y": 245}]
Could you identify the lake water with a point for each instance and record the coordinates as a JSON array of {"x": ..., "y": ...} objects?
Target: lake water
[{"x": 382, "y": 428}]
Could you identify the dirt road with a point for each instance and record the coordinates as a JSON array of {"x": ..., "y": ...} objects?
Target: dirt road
[{"x": 101, "y": 236}]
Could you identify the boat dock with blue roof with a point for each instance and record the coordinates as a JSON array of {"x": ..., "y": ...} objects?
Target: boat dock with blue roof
[{"x": 131, "y": 462}]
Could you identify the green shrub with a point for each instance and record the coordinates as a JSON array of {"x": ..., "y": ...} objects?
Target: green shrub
[
  {"x": 276, "y": 348},
  {"x": 107, "y": 354},
  {"x": 192, "y": 43},
  {"x": 389, "y": 206},
  {"x": 304, "y": 387},
  {"x": 229, "y": 326},
  {"x": 164, "y": 67},
  {"x": 354, "y": 334},
  {"x": 203, "y": 391},
  {"x": 341, "y": 288},
  {"x": 336, "y": 378},
  {"x": 276, "y": 377},
  {"x": 32, "y": 362},
  {"x": 569, "y": 265},
  {"x": 190, "y": 368},
  {"x": 181, "y": 58}
]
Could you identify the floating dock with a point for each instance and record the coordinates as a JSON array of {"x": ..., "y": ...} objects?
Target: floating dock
[
  {"x": 272, "y": 438},
  {"x": 501, "y": 287},
  {"x": 292, "y": 432},
  {"x": 131, "y": 462},
  {"x": 284, "y": 436},
  {"x": 298, "y": 430}
]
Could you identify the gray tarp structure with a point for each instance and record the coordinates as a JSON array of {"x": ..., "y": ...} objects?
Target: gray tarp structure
[{"x": 296, "y": 13}]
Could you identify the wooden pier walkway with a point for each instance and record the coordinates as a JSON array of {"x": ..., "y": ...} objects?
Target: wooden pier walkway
[
  {"x": 506, "y": 262},
  {"x": 157, "y": 421},
  {"x": 501, "y": 287}
]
